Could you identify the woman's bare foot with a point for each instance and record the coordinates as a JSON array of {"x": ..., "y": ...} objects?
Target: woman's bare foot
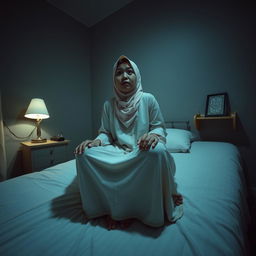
[
  {"x": 177, "y": 199},
  {"x": 111, "y": 224},
  {"x": 114, "y": 224},
  {"x": 125, "y": 223}
]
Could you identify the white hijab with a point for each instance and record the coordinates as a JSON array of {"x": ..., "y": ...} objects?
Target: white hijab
[{"x": 126, "y": 105}]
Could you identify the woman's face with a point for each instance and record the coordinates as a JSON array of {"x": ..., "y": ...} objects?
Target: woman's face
[{"x": 125, "y": 78}]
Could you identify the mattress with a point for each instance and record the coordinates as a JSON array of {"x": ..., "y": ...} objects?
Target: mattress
[{"x": 41, "y": 212}]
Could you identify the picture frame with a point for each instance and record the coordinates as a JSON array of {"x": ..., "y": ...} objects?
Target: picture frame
[{"x": 217, "y": 104}]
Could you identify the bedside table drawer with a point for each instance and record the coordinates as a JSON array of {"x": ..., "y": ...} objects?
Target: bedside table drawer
[
  {"x": 43, "y": 158},
  {"x": 40, "y": 156}
]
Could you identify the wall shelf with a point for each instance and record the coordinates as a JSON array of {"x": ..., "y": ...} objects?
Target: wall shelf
[{"x": 199, "y": 117}]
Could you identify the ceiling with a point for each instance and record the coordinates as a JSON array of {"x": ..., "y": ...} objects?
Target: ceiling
[{"x": 89, "y": 12}]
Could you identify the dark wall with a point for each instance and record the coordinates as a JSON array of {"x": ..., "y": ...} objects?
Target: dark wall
[
  {"x": 185, "y": 50},
  {"x": 46, "y": 54}
]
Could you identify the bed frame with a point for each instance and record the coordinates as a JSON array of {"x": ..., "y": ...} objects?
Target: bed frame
[{"x": 178, "y": 124}]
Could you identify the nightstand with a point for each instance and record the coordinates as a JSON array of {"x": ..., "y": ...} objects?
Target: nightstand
[{"x": 37, "y": 156}]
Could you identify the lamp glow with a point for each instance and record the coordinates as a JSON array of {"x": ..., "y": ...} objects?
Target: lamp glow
[{"x": 37, "y": 110}]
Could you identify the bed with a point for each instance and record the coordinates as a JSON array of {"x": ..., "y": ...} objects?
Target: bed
[{"x": 41, "y": 213}]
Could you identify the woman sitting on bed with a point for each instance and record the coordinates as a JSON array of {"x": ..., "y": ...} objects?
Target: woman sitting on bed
[{"x": 126, "y": 172}]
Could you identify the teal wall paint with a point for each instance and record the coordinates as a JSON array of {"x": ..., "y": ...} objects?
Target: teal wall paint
[
  {"x": 46, "y": 55},
  {"x": 185, "y": 50}
]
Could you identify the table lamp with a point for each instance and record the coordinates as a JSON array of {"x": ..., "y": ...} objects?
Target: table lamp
[{"x": 37, "y": 110}]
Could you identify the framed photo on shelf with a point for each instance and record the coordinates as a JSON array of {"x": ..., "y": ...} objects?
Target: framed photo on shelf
[{"x": 217, "y": 104}]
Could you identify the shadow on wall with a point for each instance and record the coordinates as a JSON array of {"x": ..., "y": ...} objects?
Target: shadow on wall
[
  {"x": 15, "y": 167},
  {"x": 19, "y": 130}
]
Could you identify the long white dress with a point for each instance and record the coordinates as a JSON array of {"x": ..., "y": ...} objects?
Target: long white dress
[{"x": 119, "y": 180}]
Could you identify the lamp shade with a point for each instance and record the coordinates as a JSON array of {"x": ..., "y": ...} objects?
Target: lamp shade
[{"x": 37, "y": 109}]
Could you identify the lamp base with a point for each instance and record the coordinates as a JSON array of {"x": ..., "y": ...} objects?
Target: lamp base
[{"x": 39, "y": 140}]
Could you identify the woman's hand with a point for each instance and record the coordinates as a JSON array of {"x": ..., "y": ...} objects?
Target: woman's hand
[
  {"x": 148, "y": 140},
  {"x": 87, "y": 143}
]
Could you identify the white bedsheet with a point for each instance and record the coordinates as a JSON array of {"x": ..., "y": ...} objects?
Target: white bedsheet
[{"x": 41, "y": 213}]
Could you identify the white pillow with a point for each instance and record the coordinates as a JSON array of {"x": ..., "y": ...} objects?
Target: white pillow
[{"x": 178, "y": 140}]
